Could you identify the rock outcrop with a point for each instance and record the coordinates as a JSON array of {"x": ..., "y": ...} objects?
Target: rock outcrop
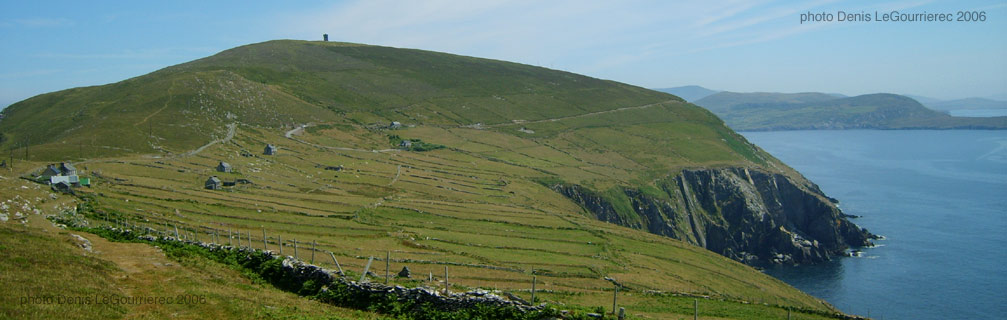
[{"x": 749, "y": 215}]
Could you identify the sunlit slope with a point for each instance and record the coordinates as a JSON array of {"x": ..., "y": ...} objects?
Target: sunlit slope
[
  {"x": 431, "y": 87},
  {"x": 153, "y": 113},
  {"x": 280, "y": 83},
  {"x": 483, "y": 216}
]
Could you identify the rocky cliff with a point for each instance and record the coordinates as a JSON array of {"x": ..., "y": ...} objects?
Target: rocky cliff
[{"x": 749, "y": 215}]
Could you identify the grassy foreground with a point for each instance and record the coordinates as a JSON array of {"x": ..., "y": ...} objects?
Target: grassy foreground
[
  {"x": 481, "y": 216},
  {"x": 47, "y": 275}
]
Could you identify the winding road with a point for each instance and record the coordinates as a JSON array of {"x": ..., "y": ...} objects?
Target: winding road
[{"x": 230, "y": 134}]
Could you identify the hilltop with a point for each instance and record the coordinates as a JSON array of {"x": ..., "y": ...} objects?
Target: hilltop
[
  {"x": 514, "y": 171},
  {"x": 282, "y": 83},
  {"x": 812, "y": 110}
]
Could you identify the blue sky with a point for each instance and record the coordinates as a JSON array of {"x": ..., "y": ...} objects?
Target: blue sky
[{"x": 728, "y": 45}]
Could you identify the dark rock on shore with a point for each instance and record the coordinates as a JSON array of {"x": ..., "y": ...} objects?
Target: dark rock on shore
[{"x": 748, "y": 215}]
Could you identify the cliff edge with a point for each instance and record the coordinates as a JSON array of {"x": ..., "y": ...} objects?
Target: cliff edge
[{"x": 748, "y": 215}]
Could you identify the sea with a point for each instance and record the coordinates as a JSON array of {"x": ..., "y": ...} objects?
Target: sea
[{"x": 939, "y": 199}]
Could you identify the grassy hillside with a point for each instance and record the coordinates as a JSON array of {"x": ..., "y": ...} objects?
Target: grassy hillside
[
  {"x": 423, "y": 86},
  {"x": 168, "y": 113},
  {"x": 600, "y": 134},
  {"x": 778, "y": 111},
  {"x": 280, "y": 83},
  {"x": 480, "y": 205},
  {"x": 479, "y": 212}
]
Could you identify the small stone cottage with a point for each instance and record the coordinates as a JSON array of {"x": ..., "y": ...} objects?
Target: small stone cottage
[
  {"x": 213, "y": 183},
  {"x": 67, "y": 169},
  {"x": 223, "y": 167}
]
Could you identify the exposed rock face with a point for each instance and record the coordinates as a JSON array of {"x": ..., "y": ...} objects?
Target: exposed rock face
[
  {"x": 84, "y": 243},
  {"x": 748, "y": 215}
]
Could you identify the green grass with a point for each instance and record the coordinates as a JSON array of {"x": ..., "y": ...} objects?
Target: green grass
[
  {"x": 476, "y": 205},
  {"x": 37, "y": 266},
  {"x": 466, "y": 209},
  {"x": 42, "y": 265}
]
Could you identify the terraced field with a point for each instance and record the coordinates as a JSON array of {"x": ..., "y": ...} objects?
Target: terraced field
[{"x": 471, "y": 208}]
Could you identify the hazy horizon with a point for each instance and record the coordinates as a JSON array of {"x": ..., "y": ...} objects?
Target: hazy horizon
[
  {"x": 997, "y": 97},
  {"x": 724, "y": 45}
]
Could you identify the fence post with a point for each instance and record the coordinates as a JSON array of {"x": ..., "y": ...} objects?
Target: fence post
[
  {"x": 533, "y": 280},
  {"x": 279, "y": 242},
  {"x": 388, "y": 256},
  {"x": 340, "y": 268},
  {"x": 788, "y": 313},
  {"x": 264, "y": 247},
  {"x": 229, "y": 242},
  {"x": 363, "y": 276},
  {"x": 313, "y": 243},
  {"x": 695, "y": 308},
  {"x": 447, "y": 285},
  {"x": 176, "y": 234},
  {"x": 622, "y": 313},
  {"x": 295, "y": 248},
  {"x": 249, "y": 239},
  {"x": 615, "y": 299}
]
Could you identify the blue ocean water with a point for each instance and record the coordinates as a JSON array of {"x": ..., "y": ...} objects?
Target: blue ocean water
[{"x": 939, "y": 198}]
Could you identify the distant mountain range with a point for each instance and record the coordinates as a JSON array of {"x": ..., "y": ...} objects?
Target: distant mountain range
[
  {"x": 812, "y": 110},
  {"x": 960, "y": 104},
  {"x": 693, "y": 93},
  {"x": 689, "y": 93}
]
